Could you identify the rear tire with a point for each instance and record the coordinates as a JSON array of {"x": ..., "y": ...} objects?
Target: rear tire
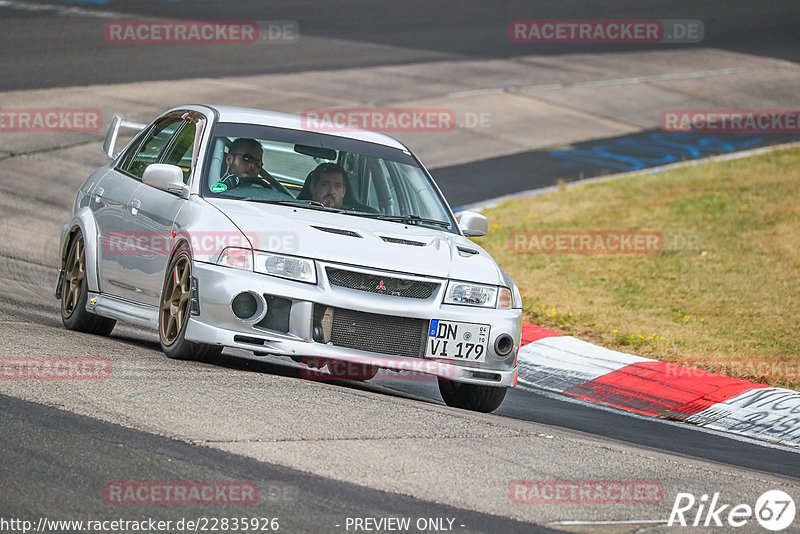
[
  {"x": 174, "y": 311},
  {"x": 475, "y": 397},
  {"x": 75, "y": 292}
]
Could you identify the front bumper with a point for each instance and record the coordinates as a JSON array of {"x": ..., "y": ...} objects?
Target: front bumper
[{"x": 216, "y": 324}]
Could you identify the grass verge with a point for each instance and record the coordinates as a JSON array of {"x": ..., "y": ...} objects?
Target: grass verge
[{"x": 722, "y": 294}]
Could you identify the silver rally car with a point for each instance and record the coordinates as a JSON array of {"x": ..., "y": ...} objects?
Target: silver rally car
[{"x": 231, "y": 227}]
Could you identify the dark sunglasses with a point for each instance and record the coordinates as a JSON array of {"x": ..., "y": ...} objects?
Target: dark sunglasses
[{"x": 250, "y": 159}]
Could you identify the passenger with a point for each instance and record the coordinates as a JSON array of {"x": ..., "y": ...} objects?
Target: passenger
[{"x": 328, "y": 185}]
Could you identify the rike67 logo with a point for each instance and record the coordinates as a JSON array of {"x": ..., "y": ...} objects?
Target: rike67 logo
[{"x": 774, "y": 510}]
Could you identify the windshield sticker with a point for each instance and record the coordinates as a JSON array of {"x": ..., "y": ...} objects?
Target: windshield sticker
[{"x": 219, "y": 188}]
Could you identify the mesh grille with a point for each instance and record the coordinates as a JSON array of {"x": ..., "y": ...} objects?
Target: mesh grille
[
  {"x": 384, "y": 334},
  {"x": 396, "y": 287},
  {"x": 244, "y": 305}
]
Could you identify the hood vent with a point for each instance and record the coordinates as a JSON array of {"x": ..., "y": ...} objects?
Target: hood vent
[
  {"x": 399, "y": 241},
  {"x": 339, "y": 231}
]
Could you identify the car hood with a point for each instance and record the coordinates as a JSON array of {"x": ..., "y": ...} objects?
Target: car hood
[{"x": 361, "y": 241}]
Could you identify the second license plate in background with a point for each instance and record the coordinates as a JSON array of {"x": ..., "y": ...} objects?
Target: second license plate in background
[{"x": 457, "y": 341}]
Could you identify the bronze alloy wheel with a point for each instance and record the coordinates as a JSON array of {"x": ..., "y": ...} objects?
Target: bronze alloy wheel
[
  {"x": 175, "y": 300},
  {"x": 74, "y": 275},
  {"x": 174, "y": 311},
  {"x": 75, "y": 293}
]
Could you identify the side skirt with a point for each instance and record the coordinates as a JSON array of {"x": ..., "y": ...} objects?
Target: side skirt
[{"x": 123, "y": 310}]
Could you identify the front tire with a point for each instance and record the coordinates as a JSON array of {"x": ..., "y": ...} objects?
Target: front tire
[
  {"x": 174, "y": 312},
  {"x": 75, "y": 292},
  {"x": 475, "y": 397}
]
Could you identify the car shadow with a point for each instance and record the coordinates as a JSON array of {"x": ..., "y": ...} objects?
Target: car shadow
[{"x": 279, "y": 366}]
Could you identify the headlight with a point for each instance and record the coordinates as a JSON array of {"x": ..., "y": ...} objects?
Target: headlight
[
  {"x": 291, "y": 267},
  {"x": 241, "y": 258},
  {"x": 470, "y": 294}
]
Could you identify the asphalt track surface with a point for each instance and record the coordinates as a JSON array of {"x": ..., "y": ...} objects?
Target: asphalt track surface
[
  {"x": 533, "y": 405},
  {"x": 70, "y": 451},
  {"x": 57, "y": 462},
  {"x": 43, "y": 51}
]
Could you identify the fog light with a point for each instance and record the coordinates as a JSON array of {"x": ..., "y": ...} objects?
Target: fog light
[
  {"x": 503, "y": 345},
  {"x": 318, "y": 333},
  {"x": 323, "y": 327},
  {"x": 249, "y": 306}
]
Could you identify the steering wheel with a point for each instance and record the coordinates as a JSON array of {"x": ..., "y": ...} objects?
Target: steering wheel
[{"x": 265, "y": 179}]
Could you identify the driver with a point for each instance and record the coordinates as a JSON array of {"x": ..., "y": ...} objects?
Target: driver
[{"x": 243, "y": 160}]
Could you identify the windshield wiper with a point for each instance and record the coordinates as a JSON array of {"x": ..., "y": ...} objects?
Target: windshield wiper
[
  {"x": 412, "y": 219},
  {"x": 313, "y": 204}
]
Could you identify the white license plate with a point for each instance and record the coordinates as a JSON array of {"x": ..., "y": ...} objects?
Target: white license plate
[{"x": 457, "y": 341}]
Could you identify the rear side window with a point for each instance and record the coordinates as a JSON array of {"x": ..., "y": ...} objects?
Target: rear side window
[
  {"x": 180, "y": 151},
  {"x": 153, "y": 146}
]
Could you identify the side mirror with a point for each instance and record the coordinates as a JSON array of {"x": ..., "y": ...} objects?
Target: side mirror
[
  {"x": 110, "y": 142},
  {"x": 472, "y": 224},
  {"x": 165, "y": 177}
]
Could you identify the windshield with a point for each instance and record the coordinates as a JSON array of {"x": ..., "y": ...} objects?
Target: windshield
[{"x": 315, "y": 171}]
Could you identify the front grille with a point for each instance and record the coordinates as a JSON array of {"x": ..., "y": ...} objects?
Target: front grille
[
  {"x": 384, "y": 334},
  {"x": 396, "y": 287}
]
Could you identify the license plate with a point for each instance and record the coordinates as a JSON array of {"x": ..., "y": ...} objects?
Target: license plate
[{"x": 457, "y": 341}]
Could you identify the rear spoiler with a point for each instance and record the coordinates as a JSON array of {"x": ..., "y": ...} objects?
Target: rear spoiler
[{"x": 110, "y": 142}]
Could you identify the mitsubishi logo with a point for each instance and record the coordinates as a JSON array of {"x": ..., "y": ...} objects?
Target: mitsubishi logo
[{"x": 381, "y": 286}]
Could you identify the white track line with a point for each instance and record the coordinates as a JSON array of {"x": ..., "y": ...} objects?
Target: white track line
[
  {"x": 620, "y": 522},
  {"x": 631, "y": 80},
  {"x": 63, "y": 11}
]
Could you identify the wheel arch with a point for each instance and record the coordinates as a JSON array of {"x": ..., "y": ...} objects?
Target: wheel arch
[
  {"x": 181, "y": 243},
  {"x": 84, "y": 223}
]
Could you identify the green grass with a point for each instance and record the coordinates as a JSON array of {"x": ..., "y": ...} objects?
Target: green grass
[{"x": 722, "y": 295}]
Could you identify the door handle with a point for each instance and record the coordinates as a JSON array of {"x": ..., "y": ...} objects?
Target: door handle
[{"x": 135, "y": 205}]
